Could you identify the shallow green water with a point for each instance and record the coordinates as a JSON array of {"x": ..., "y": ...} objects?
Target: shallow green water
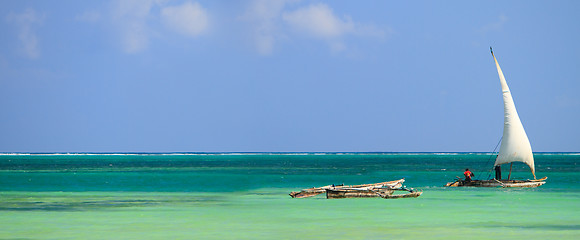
[{"x": 246, "y": 197}]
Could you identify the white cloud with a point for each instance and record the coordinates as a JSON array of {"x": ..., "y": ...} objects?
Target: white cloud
[
  {"x": 188, "y": 19},
  {"x": 269, "y": 20},
  {"x": 272, "y": 22},
  {"x": 26, "y": 23},
  {"x": 137, "y": 21},
  {"x": 318, "y": 20},
  {"x": 264, "y": 15},
  {"x": 132, "y": 16}
]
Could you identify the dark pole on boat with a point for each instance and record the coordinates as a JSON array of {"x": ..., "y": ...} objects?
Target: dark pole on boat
[
  {"x": 510, "y": 174},
  {"x": 491, "y": 156},
  {"x": 491, "y": 50}
]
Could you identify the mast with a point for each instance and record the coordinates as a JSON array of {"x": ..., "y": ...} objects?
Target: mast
[
  {"x": 510, "y": 174},
  {"x": 515, "y": 145}
]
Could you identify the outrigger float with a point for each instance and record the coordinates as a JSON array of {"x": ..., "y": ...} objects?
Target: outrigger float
[{"x": 383, "y": 189}]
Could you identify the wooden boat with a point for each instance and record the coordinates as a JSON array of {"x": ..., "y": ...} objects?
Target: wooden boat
[
  {"x": 498, "y": 183},
  {"x": 383, "y": 189},
  {"x": 515, "y": 146}
]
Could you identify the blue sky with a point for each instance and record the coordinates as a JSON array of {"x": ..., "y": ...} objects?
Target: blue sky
[{"x": 246, "y": 76}]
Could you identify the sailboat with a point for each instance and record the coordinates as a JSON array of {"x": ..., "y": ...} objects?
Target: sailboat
[{"x": 515, "y": 146}]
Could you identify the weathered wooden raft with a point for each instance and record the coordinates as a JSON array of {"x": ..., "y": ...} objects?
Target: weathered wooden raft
[{"x": 383, "y": 189}]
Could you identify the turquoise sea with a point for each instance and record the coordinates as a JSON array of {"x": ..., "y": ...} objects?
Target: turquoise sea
[{"x": 245, "y": 196}]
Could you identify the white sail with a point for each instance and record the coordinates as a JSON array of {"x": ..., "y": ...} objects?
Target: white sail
[{"x": 515, "y": 146}]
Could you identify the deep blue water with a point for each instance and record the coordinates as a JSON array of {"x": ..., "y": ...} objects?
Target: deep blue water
[{"x": 216, "y": 172}]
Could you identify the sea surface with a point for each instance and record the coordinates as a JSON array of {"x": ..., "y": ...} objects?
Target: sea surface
[{"x": 245, "y": 196}]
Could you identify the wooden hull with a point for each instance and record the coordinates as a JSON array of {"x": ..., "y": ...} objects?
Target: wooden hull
[
  {"x": 497, "y": 183},
  {"x": 355, "y": 193}
]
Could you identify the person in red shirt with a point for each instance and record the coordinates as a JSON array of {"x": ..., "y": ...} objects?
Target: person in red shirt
[{"x": 468, "y": 174}]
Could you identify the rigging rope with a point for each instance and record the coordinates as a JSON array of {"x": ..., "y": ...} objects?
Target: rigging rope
[{"x": 491, "y": 155}]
